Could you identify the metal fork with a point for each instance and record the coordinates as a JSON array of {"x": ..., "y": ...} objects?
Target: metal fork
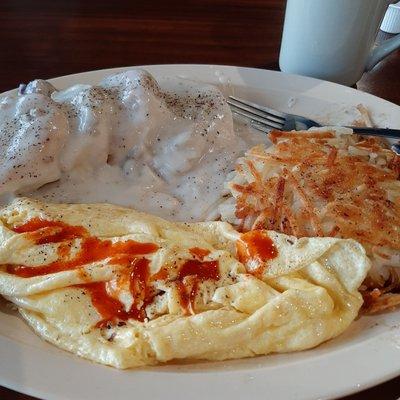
[{"x": 266, "y": 119}]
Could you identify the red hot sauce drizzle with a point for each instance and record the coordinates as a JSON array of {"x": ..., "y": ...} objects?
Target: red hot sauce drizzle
[
  {"x": 256, "y": 246},
  {"x": 93, "y": 249},
  {"x": 112, "y": 310},
  {"x": 127, "y": 253},
  {"x": 199, "y": 252},
  {"x": 191, "y": 273},
  {"x": 44, "y": 231}
]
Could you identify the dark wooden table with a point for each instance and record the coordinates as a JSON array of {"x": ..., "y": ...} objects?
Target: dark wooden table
[{"x": 48, "y": 38}]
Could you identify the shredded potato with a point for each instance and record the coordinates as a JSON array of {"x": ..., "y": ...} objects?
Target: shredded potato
[{"x": 321, "y": 183}]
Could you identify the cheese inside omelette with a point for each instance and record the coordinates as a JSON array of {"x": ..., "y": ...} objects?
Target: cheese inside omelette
[{"x": 127, "y": 289}]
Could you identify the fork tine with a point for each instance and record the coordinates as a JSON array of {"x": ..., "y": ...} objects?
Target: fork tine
[
  {"x": 262, "y": 128},
  {"x": 255, "y": 124},
  {"x": 253, "y": 111},
  {"x": 255, "y": 118},
  {"x": 267, "y": 110}
]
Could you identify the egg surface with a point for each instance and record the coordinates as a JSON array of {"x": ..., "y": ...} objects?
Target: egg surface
[{"x": 128, "y": 289}]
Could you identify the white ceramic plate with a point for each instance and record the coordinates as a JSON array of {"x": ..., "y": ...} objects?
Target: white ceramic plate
[{"x": 366, "y": 354}]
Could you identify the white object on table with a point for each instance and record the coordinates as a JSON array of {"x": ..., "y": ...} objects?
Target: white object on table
[
  {"x": 391, "y": 22},
  {"x": 333, "y": 39}
]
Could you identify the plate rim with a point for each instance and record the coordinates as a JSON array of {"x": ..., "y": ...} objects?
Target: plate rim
[
  {"x": 227, "y": 66},
  {"x": 75, "y": 76}
]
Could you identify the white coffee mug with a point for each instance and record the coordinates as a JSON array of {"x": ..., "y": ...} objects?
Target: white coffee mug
[{"x": 333, "y": 39}]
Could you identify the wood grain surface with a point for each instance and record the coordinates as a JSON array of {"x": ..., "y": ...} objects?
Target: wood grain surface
[{"x": 48, "y": 38}]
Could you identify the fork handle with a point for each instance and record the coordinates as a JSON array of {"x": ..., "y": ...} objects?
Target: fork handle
[{"x": 386, "y": 132}]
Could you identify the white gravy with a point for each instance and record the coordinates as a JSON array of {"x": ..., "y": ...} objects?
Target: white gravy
[{"x": 125, "y": 141}]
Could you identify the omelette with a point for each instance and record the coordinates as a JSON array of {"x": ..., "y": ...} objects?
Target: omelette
[
  {"x": 327, "y": 183},
  {"x": 127, "y": 289}
]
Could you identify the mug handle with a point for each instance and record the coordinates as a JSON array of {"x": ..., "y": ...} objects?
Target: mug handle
[{"x": 381, "y": 51}]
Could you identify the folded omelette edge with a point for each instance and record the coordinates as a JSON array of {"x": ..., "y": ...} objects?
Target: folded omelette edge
[{"x": 305, "y": 294}]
